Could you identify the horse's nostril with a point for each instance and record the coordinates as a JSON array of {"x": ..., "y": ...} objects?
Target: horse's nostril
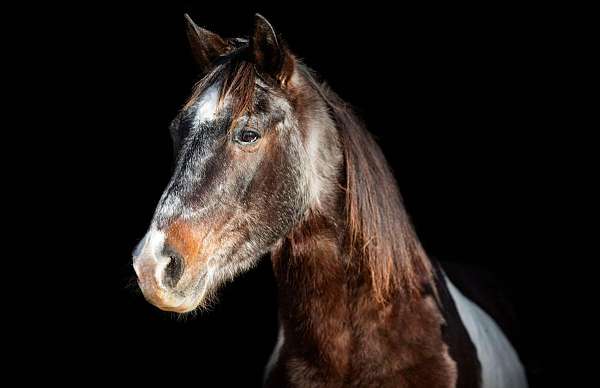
[{"x": 173, "y": 271}]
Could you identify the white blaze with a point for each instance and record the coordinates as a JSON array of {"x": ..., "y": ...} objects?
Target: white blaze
[
  {"x": 149, "y": 250},
  {"x": 206, "y": 108}
]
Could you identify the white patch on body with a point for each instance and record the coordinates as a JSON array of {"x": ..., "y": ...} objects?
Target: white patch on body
[
  {"x": 275, "y": 355},
  {"x": 500, "y": 364},
  {"x": 323, "y": 155},
  {"x": 316, "y": 179}
]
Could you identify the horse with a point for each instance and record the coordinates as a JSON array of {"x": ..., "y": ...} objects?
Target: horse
[{"x": 269, "y": 160}]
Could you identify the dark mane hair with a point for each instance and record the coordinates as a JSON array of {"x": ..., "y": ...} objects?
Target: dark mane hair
[
  {"x": 237, "y": 77},
  {"x": 378, "y": 226},
  {"x": 379, "y": 229}
]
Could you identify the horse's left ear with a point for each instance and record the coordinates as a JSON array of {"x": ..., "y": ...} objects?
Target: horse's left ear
[{"x": 269, "y": 53}]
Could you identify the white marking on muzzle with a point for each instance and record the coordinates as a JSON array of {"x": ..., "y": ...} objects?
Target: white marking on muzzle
[{"x": 149, "y": 252}]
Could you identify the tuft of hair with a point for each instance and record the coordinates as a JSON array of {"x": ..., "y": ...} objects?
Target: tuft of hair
[
  {"x": 236, "y": 76},
  {"x": 378, "y": 225}
]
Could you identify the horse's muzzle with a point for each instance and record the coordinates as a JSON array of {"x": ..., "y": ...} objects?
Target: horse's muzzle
[{"x": 159, "y": 269}]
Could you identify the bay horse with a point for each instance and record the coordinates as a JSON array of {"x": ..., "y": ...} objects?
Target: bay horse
[{"x": 269, "y": 160}]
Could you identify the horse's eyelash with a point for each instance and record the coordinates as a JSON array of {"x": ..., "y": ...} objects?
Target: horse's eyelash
[
  {"x": 246, "y": 123},
  {"x": 250, "y": 126}
]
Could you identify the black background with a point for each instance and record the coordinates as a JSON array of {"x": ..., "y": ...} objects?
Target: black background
[{"x": 458, "y": 98}]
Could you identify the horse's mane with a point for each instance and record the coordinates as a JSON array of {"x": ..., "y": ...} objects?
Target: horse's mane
[
  {"x": 378, "y": 226},
  {"x": 379, "y": 229}
]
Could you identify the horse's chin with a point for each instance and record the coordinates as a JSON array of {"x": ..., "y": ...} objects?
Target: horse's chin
[
  {"x": 181, "y": 309},
  {"x": 175, "y": 300},
  {"x": 194, "y": 290}
]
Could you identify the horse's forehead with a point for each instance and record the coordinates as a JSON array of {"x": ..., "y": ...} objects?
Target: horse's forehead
[
  {"x": 209, "y": 102},
  {"x": 205, "y": 108}
]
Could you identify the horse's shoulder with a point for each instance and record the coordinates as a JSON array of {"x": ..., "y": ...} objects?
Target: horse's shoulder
[
  {"x": 498, "y": 361},
  {"x": 488, "y": 292}
]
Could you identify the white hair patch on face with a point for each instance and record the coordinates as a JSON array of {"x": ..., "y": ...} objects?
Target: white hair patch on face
[
  {"x": 206, "y": 107},
  {"x": 149, "y": 250}
]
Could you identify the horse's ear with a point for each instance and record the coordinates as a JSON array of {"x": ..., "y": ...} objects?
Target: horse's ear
[
  {"x": 269, "y": 53},
  {"x": 206, "y": 46}
]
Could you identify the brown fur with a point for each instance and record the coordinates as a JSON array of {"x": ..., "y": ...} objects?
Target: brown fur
[
  {"x": 237, "y": 77},
  {"x": 184, "y": 239},
  {"x": 337, "y": 335},
  {"x": 351, "y": 278},
  {"x": 357, "y": 296}
]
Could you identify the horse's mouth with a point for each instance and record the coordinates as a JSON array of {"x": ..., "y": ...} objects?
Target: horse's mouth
[{"x": 174, "y": 299}]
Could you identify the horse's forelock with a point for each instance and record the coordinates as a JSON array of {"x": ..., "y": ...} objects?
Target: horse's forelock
[{"x": 236, "y": 77}]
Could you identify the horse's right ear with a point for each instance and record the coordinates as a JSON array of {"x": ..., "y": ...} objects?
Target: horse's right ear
[{"x": 206, "y": 46}]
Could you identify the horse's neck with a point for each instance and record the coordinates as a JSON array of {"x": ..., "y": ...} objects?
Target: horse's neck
[
  {"x": 335, "y": 326},
  {"x": 327, "y": 305},
  {"x": 314, "y": 282}
]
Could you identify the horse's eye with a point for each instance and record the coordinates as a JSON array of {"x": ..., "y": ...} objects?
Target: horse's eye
[{"x": 248, "y": 137}]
